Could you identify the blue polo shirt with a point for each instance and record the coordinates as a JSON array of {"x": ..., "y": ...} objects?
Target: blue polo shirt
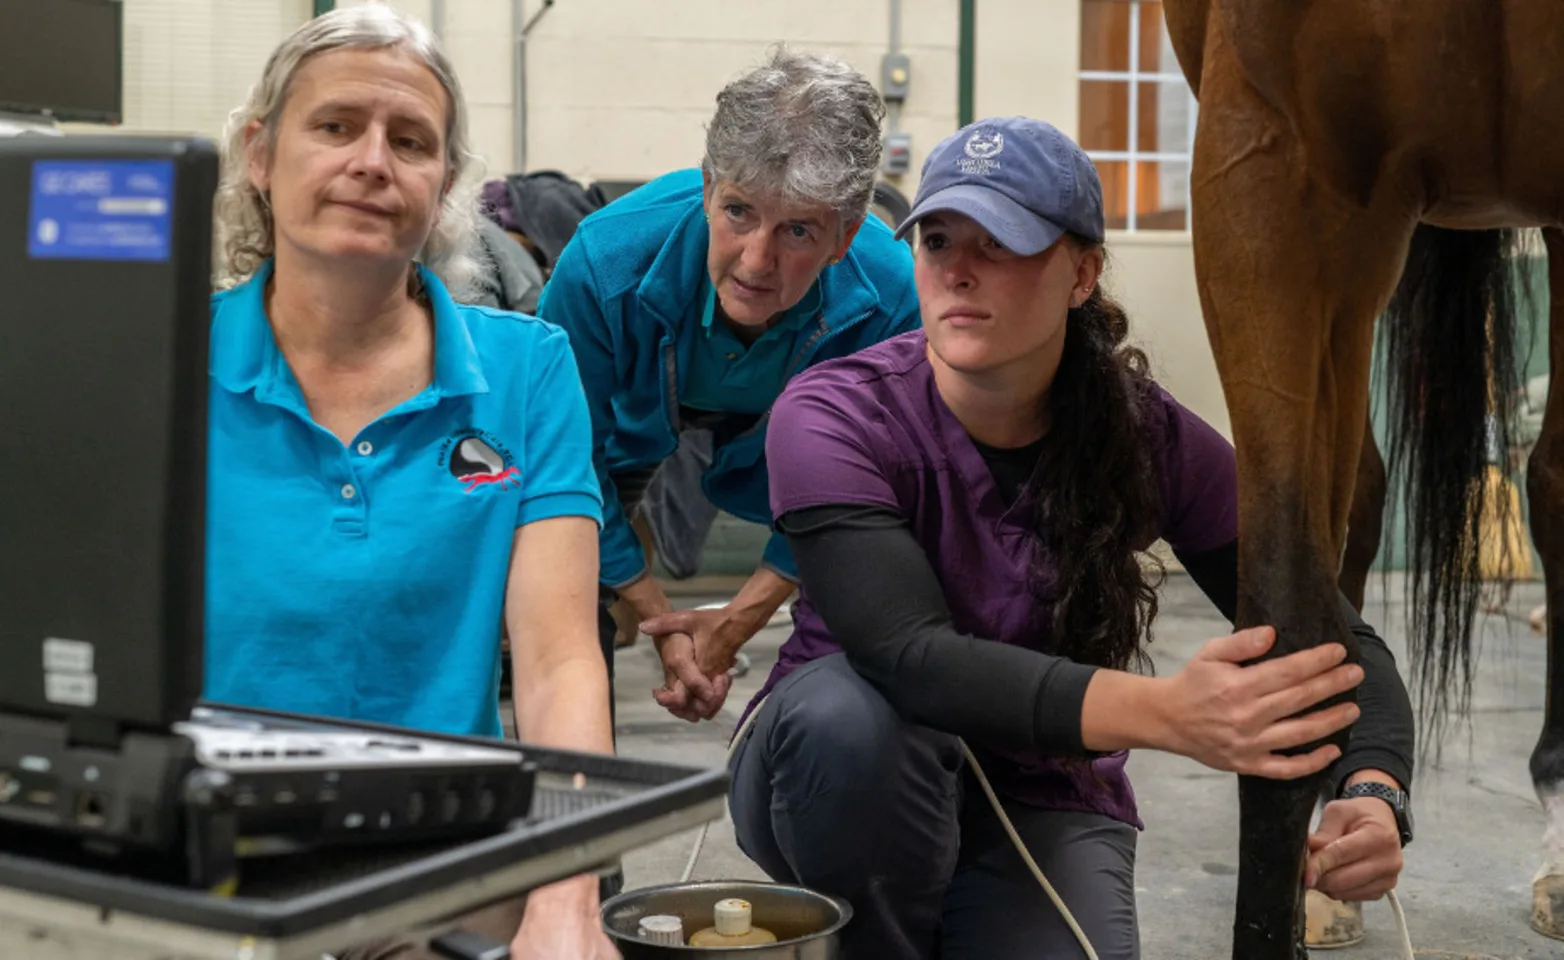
[
  {"x": 367, "y": 580},
  {"x": 720, "y": 373}
]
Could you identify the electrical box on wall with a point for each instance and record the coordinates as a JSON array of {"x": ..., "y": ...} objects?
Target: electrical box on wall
[
  {"x": 897, "y": 155},
  {"x": 895, "y": 74}
]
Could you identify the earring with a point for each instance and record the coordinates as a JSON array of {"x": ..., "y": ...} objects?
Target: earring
[{"x": 834, "y": 261}]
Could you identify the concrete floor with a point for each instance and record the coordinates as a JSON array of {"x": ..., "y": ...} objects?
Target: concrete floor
[{"x": 1466, "y": 889}]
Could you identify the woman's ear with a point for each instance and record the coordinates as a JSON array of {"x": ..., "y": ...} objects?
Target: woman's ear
[
  {"x": 257, "y": 156},
  {"x": 1088, "y": 272}
]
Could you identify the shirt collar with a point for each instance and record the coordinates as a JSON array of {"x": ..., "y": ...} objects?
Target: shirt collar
[
  {"x": 793, "y": 318},
  {"x": 244, "y": 354}
]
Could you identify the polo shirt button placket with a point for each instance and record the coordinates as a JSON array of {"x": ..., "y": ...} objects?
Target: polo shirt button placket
[{"x": 349, "y": 516}]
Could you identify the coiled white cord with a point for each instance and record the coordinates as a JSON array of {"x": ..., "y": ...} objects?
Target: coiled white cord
[{"x": 1015, "y": 839}]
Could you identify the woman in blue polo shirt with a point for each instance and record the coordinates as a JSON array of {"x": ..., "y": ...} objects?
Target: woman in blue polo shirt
[
  {"x": 392, "y": 475},
  {"x": 692, "y": 300},
  {"x": 967, "y": 503}
]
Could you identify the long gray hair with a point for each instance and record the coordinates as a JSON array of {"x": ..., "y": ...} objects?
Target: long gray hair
[
  {"x": 245, "y": 235},
  {"x": 802, "y": 127}
]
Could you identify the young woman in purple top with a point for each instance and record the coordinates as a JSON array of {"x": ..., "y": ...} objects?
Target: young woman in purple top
[{"x": 969, "y": 505}]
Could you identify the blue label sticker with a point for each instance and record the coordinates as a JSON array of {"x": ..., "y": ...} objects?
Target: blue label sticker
[{"x": 101, "y": 210}]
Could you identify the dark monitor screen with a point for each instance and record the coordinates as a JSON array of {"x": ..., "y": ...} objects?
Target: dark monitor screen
[{"x": 62, "y": 58}]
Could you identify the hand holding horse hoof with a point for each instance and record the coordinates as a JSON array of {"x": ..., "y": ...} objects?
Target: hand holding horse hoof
[{"x": 1547, "y": 906}]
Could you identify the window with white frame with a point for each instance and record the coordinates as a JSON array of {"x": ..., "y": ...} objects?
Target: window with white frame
[{"x": 1137, "y": 114}]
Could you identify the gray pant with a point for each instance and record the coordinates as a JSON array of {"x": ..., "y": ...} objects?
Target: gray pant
[{"x": 834, "y": 791}]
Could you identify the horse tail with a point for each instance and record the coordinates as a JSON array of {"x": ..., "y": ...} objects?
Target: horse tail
[{"x": 1447, "y": 346}]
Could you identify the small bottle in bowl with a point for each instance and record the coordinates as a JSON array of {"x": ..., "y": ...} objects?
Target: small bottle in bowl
[
  {"x": 662, "y": 929},
  {"x": 732, "y": 927}
]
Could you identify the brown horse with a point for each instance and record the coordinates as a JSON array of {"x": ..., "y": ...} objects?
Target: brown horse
[{"x": 1355, "y": 158}]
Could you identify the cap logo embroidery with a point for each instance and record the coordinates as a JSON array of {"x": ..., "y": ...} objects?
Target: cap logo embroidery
[
  {"x": 981, "y": 149},
  {"x": 982, "y": 146}
]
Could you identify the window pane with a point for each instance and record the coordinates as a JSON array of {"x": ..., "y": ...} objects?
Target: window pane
[
  {"x": 1114, "y": 175},
  {"x": 1105, "y": 34},
  {"x": 1162, "y": 118},
  {"x": 1156, "y": 50},
  {"x": 1105, "y": 115},
  {"x": 1161, "y": 195}
]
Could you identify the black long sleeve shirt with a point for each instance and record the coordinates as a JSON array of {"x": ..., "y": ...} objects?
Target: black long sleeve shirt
[{"x": 891, "y": 618}]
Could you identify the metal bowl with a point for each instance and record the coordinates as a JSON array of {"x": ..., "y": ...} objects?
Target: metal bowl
[{"x": 808, "y": 925}]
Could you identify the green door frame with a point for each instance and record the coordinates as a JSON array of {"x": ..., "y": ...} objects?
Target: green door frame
[{"x": 965, "y": 55}]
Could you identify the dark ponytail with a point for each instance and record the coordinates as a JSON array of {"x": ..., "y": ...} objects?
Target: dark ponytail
[{"x": 1096, "y": 492}]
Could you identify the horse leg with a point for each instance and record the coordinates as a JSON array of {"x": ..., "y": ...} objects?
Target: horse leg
[
  {"x": 1365, "y": 524},
  {"x": 1291, "y": 278},
  {"x": 1333, "y": 923},
  {"x": 1545, "y": 488}
]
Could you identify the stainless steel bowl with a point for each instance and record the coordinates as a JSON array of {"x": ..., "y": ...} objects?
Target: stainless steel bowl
[{"x": 808, "y": 925}]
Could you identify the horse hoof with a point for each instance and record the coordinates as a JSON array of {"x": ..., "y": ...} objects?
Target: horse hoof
[
  {"x": 1547, "y": 906},
  {"x": 1332, "y": 924}
]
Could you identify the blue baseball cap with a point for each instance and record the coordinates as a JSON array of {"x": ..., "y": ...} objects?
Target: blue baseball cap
[{"x": 1022, "y": 180}]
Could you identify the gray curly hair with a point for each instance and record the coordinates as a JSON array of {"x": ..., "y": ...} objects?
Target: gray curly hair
[
  {"x": 802, "y": 127},
  {"x": 244, "y": 230}
]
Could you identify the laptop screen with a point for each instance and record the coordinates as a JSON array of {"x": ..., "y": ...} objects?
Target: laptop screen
[{"x": 105, "y": 266}]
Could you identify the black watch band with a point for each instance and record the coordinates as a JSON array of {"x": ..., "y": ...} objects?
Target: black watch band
[{"x": 1396, "y": 798}]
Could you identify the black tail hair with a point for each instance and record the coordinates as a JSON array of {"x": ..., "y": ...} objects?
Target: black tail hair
[{"x": 1447, "y": 343}]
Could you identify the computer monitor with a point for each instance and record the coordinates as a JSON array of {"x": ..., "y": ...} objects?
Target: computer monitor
[
  {"x": 105, "y": 283},
  {"x": 63, "y": 59}
]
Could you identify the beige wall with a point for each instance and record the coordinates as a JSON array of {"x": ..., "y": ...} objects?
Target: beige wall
[
  {"x": 1153, "y": 275},
  {"x": 622, "y": 89},
  {"x": 188, "y": 63},
  {"x": 1027, "y": 56}
]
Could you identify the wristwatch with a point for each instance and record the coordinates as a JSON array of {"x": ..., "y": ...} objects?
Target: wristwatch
[{"x": 1397, "y": 799}]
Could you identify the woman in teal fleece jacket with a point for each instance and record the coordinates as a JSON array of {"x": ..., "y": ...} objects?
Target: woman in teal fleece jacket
[{"x": 693, "y": 300}]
